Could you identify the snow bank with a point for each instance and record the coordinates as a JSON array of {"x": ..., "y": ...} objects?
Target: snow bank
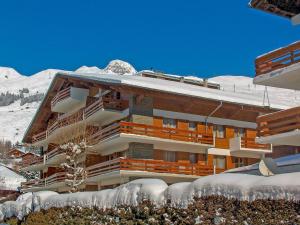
[
  {"x": 131, "y": 193},
  {"x": 238, "y": 186}
]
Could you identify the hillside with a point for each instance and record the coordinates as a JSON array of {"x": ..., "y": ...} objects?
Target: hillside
[{"x": 20, "y": 95}]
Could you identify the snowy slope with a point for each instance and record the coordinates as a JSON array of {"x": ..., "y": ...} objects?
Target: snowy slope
[
  {"x": 9, "y": 180},
  {"x": 14, "y": 118}
]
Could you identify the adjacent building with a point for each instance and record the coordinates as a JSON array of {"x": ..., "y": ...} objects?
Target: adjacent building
[
  {"x": 289, "y": 9},
  {"x": 280, "y": 68}
]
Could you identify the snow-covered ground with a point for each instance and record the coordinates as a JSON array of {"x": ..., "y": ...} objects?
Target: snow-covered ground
[
  {"x": 14, "y": 119},
  {"x": 9, "y": 180},
  {"x": 238, "y": 186}
]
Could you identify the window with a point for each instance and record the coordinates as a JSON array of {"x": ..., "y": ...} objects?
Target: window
[
  {"x": 192, "y": 126},
  {"x": 219, "y": 131},
  {"x": 167, "y": 122},
  {"x": 239, "y": 132},
  {"x": 220, "y": 161},
  {"x": 193, "y": 158},
  {"x": 238, "y": 162},
  {"x": 170, "y": 156},
  {"x": 118, "y": 95}
]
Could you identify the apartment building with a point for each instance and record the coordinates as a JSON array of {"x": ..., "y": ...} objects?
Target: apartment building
[
  {"x": 280, "y": 68},
  {"x": 142, "y": 126}
]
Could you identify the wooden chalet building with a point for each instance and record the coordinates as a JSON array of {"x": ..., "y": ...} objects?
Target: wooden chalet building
[
  {"x": 280, "y": 68},
  {"x": 15, "y": 153},
  {"x": 143, "y": 126}
]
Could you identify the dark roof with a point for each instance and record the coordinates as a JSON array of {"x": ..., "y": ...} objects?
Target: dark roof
[{"x": 285, "y": 8}]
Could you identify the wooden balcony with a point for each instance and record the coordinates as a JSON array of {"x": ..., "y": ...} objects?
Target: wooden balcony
[
  {"x": 117, "y": 136},
  {"x": 32, "y": 185},
  {"x": 247, "y": 147},
  {"x": 55, "y": 157},
  {"x": 33, "y": 164},
  {"x": 64, "y": 121},
  {"x": 279, "y": 68},
  {"x": 101, "y": 111},
  {"x": 60, "y": 96},
  {"x": 52, "y": 182},
  {"x": 153, "y": 131},
  {"x": 280, "y": 128},
  {"x": 39, "y": 138},
  {"x": 155, "y": 167},
  {"x": 106, "y": 110},
  {"x": 250, "y": 143},
  {"x": 69, "y": 99}
]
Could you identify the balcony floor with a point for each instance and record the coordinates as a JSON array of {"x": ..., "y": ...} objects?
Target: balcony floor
[
  {"x": 106, "y": 116},
  {"x": 287, "y": 77},
  {"x": 121, "y": 142}
]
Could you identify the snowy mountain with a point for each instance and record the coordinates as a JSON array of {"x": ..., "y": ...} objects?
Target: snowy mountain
[{"x": 25, "y": 93}]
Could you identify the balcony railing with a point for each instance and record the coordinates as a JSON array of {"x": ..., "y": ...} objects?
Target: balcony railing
[
  {"x": 247, "y": 142},
  {"x": 56, "y": 178},
  {"x": 154, "y": 166},
  {"x": 33, "y": 184},
  {"x": 279, "y": 122},
  {"x": 46, "y": 182},
  {"x": 108, "y": 103},
  {"x": 152, "y": 131},
  {"x": 32, "y": 161},
  {"x": 61, "y": 95},
  {"x": 39, "y": 137},
  {"x": 54, "y": 153},
  {"x": 61, "y": 121},
  {"x": 278, "y": 59},
  {"x": 65, "y": 119}
]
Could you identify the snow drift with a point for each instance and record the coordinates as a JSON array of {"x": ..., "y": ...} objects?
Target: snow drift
[{"x": 238, "y": 186}]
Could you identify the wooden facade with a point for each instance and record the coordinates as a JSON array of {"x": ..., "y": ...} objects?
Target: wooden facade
[{"x": 278, "y": 59}]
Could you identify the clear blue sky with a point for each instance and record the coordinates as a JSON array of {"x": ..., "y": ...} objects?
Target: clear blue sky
[{"x": 197, "y": 37}]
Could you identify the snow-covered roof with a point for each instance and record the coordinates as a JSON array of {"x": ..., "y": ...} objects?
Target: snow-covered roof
[
  {"x": 9, "y": 180},
  {"x": 174, "y": 88}
]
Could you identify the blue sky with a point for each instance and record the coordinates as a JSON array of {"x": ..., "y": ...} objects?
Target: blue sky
[{"x": 197, "y": 37}]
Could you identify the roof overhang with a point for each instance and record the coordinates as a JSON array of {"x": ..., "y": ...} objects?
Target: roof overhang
[{"x": 288, "y": 9}]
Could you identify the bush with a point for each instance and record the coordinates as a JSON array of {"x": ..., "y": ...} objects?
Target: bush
[{"x": 206, "y": 211}]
